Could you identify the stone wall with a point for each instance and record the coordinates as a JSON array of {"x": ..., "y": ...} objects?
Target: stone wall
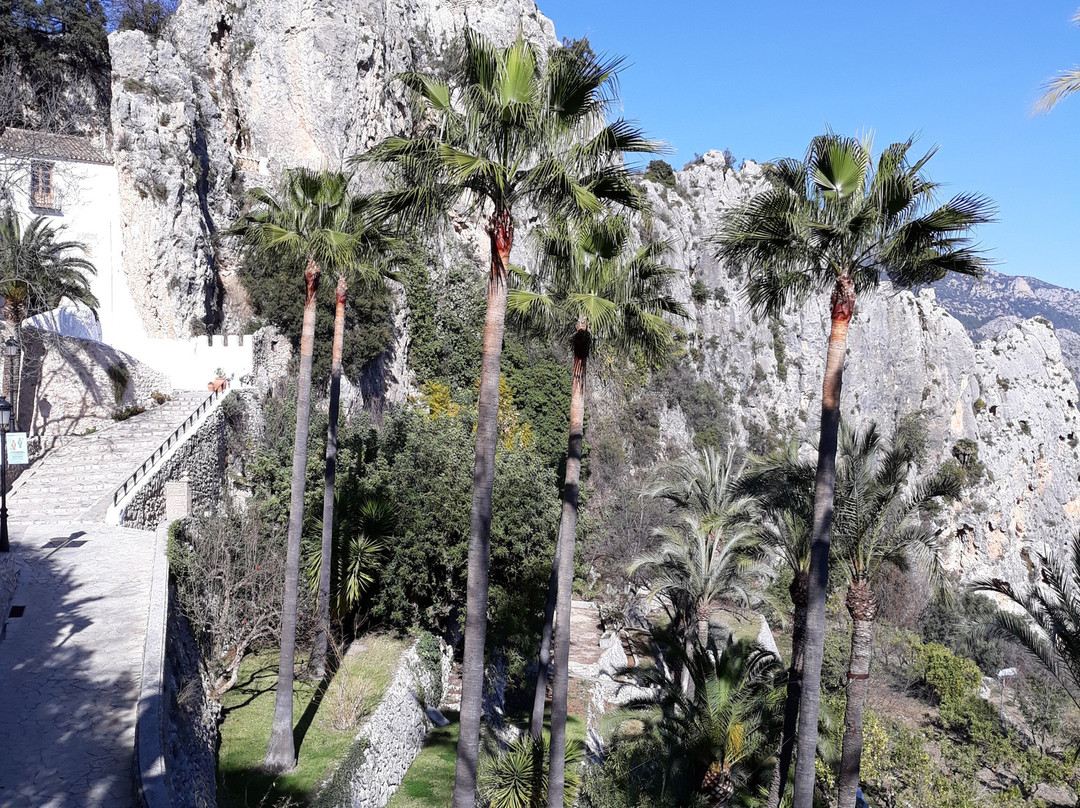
[
  {"x": 65, "y": 387},
  {"x": 389, "y": 741},
  {"x": 200, "y": 460},
  {"x": 9, "y": 578},
  {"x": 191, "y": 719}
]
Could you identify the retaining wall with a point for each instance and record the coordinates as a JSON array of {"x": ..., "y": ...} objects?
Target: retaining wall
[
  {"x": 198, "y": 459},
  {"x": 388, "y": 742},
  {"x": 9, "y": 579}
]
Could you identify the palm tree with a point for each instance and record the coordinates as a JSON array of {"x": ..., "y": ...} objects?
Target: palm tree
[
  {"x": 37, "y": 270},
  {"x": 1049, "y": 626},
  {"x": 373, "y": 249},
  {"x": 707, "y": 555},
  {"x": 882, "y": 520},
  {"x": 836, "y": 222},
  {"x": 715, "y": 738},
  {"x": 314, "y": 219},
  {"x": 508, "y": 129},
  {"x": 361, "y": 527},
  {"x": 1060, "y": 86},
  {"x": 517, "y": 777},
  {"x": 589, "y": 286},
  {"x": 782, "y": 486}
]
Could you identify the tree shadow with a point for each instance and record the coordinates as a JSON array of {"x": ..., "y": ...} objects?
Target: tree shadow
[{"x": 70, "y": 674}]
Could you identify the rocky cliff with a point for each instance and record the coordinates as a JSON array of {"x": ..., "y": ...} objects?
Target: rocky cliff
[{"x": 237, "y": 91}]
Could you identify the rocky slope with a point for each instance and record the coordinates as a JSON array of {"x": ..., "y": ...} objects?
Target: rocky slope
[
  {"x": 998, "y": 301},
  {"x": 236, "y": 91}
]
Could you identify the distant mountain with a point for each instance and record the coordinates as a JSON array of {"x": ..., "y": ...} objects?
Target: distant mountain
[{"x": 996, "y": 303}]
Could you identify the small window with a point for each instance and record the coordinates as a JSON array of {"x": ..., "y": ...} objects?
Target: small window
[{"x": 42, "y": 194}]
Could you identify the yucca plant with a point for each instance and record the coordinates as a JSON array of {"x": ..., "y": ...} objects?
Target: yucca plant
[
  {"x": 517, "y": 777},
  {"x": 841, "y": 222},
  {"x": 505, "y": 130}
]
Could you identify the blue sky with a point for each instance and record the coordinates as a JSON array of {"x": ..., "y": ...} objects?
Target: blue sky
[{"x": 762, "y": 78}]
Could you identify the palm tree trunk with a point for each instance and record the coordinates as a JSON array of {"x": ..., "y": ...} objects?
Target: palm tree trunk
[
  {"x": 794, "y": 691},
  {"x": 561, "y": 685},
  {"x": 317, "y": 665},
  {"x": 543, "y": 668},
  {"x": 281, "y": 752},
  {"x": 501, "y": 233},
  {"x": 862, "y": 606},
  {"x": 703, "y": 610},
  {"x": 843, "y": 307}
]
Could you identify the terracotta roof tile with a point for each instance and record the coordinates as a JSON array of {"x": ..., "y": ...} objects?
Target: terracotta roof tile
[{"x": 43, "y": 144}]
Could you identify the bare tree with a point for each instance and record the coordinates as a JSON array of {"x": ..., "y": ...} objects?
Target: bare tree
[{"x": 229, "y": 571}]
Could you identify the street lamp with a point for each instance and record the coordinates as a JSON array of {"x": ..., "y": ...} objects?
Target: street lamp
[
  {"x": 5, "y": 425},
  {"x": 11, "y": 350}
]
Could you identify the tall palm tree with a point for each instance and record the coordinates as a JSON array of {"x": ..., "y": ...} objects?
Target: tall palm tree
[
  {"x": 1060, "y": 86},
  {"x": 837, "y": 222},
  {"x": 716, "y": 736},
  {"x": 783, "y": 488},
  {"x": 374, "y": 250},
  {"x": 590, "y": 286},
  {"x": 509, "y": 128},
  {"x": 1049, "y": 626},
  {"x": 312, "y": 219},
  {"x": 882, "y": 520},
  {"x": 37, "y": 269}
]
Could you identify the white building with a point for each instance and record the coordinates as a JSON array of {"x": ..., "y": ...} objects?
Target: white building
[{"x": 72, "y": 182}]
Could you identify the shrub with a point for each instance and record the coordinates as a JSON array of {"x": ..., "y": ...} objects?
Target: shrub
[
  {"x": 514, "y": 778},
  {"x": 119, "y": 376},
  {"x": 661, "y": 172},
  {"x": 952, "y": 679},
  {"x": 429, "y": 650},
  {"x": 128, "y": 412},
  {"x": 699, "y": 292}
]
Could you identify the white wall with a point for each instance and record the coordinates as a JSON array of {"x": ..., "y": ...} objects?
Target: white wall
[{"x": 90, "y": 213}]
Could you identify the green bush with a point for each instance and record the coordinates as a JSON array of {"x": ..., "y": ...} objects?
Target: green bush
[
  {"x": 951, "y": 678},
  {"x": 661, "y": 172},
  {"x": 699, "y": 292},
  {"x": 429, "y": 650},
  {"x": 119, "y": 376}
]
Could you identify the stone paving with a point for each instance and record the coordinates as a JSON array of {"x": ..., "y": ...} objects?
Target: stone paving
[
  {"x": 70, "y": 666},
  {"x": 74, "y": 481}
]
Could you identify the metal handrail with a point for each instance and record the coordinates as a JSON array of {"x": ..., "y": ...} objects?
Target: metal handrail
[{"x": 159, "y": 452}]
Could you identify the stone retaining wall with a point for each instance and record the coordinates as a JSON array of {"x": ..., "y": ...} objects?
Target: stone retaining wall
[
  {"x": 9, "y": 578},
  {"x": 200, "y": 460},
  {"x": 389, "y": 741}
]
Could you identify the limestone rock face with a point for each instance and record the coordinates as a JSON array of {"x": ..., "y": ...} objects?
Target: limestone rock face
[
  {"x": 235, "y": 92},
  {"x": 1012, "y": 393}
]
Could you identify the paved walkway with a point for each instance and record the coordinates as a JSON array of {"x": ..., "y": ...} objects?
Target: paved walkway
[{"x": 70, "y": 666}]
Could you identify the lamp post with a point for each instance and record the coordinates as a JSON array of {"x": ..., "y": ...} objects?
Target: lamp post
[
  {"x": 5, "y": 425},
  {"x": 11, "y": 350}
]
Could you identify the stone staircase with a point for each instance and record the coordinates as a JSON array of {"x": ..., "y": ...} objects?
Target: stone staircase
[
  {"x": 451, "y": 699},
  {"x": 75, "y": 480}
]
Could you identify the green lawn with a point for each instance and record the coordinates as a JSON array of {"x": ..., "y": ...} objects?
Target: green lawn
[
  {"x": 249, "y": 711},
  {"x": 429, "y": 783}
]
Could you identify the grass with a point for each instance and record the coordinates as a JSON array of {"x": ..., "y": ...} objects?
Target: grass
[
  {"x": 249, "y": 712},
  {"x": 429, "y": 783}
]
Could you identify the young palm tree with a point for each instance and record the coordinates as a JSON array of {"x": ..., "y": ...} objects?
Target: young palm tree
[
  {"x": 508, "y": 129},
  {"x": 1060, "y": 86},
  {"x": 37, "y": 270},
  {"x": 837, "y": 222},
  {"x": 716, "y": 737},
  {"x": 1049, "y": 626},
  {"x": 589, "y": 287},
  {"x": 881, "y": 521},
  {"x": 361, "y": 528},
  {"x": 314, "y": 219}
]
